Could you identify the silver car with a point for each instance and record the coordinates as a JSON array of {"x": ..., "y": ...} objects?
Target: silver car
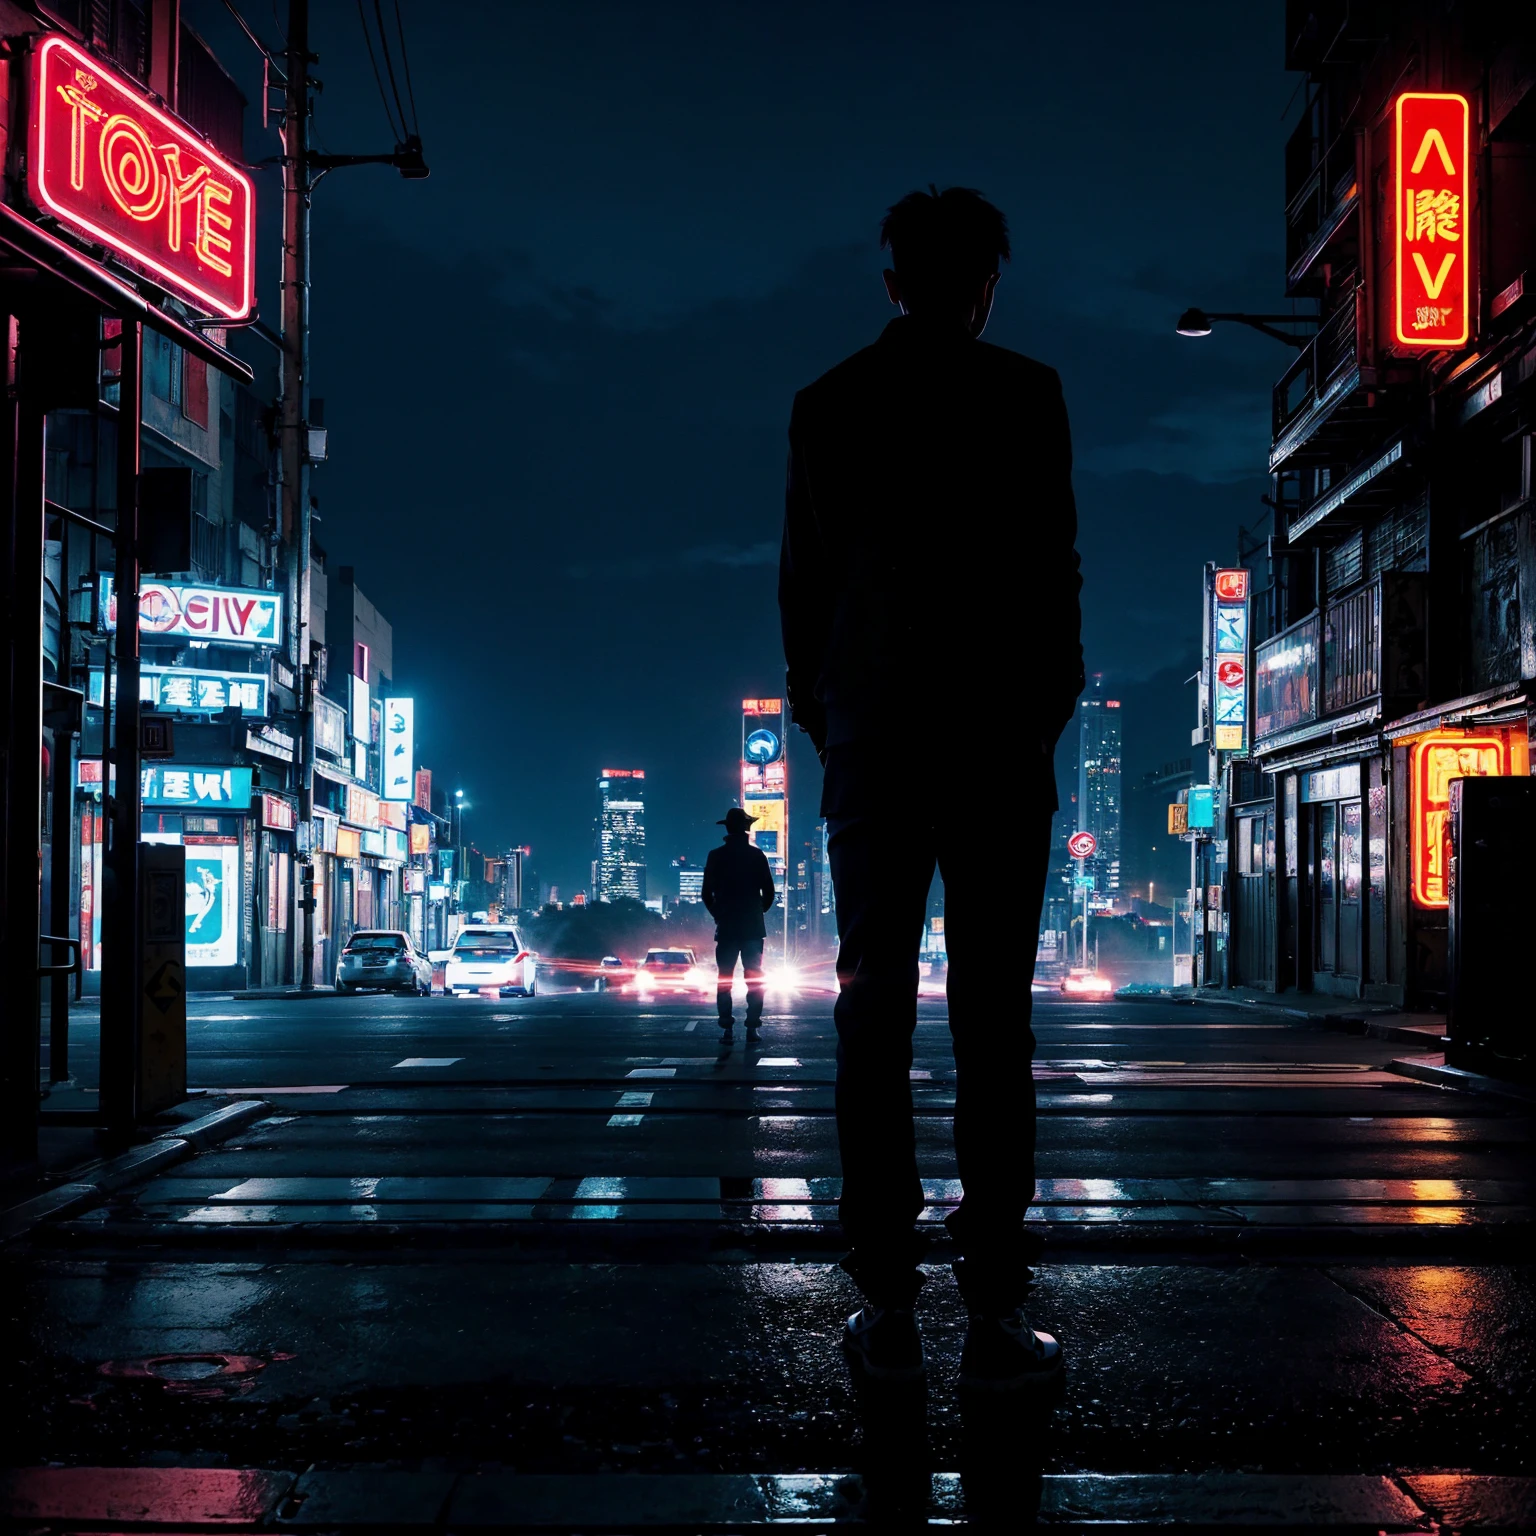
[{"x": 384, "y": 958}]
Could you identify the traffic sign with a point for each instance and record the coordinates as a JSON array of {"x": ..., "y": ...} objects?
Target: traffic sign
[{"x": 1082, "y": 845}]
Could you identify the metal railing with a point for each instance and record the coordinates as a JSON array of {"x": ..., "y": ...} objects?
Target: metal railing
[
  {"x": 1334, "y": 350},
  {"x": 1352, "y": 650},
  {"x": 1330, "y": 187}
]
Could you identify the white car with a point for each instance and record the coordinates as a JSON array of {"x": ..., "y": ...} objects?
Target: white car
[{"x": 490, "y": 956}]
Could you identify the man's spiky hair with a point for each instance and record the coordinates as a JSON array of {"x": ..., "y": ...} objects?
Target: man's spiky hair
[{"x": 944, "y": 241}]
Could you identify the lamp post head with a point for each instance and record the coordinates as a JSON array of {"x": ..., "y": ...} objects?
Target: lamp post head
[{"x": 1194, "y": 322}]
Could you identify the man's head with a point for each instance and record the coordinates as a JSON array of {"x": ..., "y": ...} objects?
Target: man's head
[
  {"x": 736, "y": 820},
  {"x": 946, "y": 252}
]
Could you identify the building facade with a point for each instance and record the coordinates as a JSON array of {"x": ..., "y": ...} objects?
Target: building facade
[
  {"x": 618, "y": 858},
  {"x": 1395, "y": 643},
  {"x": 1099, "y": 801}
]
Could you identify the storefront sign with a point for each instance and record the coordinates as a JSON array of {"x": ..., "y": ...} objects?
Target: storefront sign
[
  {"x": 373, "y": 844},
  {"x": 330, "y": 727},
  {"x": 394, "y": 845},
  {"x": 88, "y": 773},
  {"x": 1435, "y": 760},
  {"x": 117, "y": 170},
  {"x": 270, "y": 741},
  {"x": 278, "y": 813},
  {"x": 392, "y": 814},
  {"x": 399, "y": 748},
  {"x": 362, "y": 808},
  {"x": 415, "y": 882},
  {"x": 424, "y": 788},
  {"x": 421, "y": 838},
  {"x": 185, "y": 690},
  {"x": 1200, "y": 811},
  {"x": 1430, "y": 177},
  {"x": 167, "y": 785},
  {"x": 225, "y": 615},
  {"x": 348, "y": 842}
]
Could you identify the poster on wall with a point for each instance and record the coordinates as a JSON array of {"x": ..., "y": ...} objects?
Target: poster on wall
[{"x": 213, "y": 902}]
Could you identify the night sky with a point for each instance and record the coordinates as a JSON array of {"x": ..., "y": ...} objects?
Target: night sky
[{"x": 557, "y": 375}]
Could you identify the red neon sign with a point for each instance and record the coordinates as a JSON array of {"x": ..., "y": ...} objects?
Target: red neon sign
[
  {"x": 116, "y": 169},
  {"x": 1431, "y": 180},
  {"x": 1231, "y": 586},
  {"x": 1082, "y": 845},
  {"x": 762, "y": 706},
  {"x": 1436, "y": 760}
]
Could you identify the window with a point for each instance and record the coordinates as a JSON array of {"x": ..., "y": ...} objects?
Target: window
[{"x": 194, "y": 390}]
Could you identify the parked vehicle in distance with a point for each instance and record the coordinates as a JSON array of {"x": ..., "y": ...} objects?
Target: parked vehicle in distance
[
  {"x": 671, "y": 970},
  {"x": 1084, "y": 983},
  {"x": 490, "y": 957},
  {"x": 384, "y": 958}
]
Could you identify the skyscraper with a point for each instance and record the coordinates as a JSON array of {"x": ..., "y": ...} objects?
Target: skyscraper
[
  {"x": 1098, "y": 787},
  {"x": 618, "y": 863}
]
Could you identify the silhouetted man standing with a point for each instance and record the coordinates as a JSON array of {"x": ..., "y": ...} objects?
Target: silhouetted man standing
[
  {"x": 737, "y": 889},
  {"x": 929, "y": 592}
]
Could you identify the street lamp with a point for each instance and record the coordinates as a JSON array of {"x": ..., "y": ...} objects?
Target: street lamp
[{"x": 1196, "y": 322}]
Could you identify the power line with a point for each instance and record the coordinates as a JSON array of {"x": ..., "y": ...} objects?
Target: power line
[
  {"x": 399, "y": 134},
  {"x": 378, "y": 11},
  {"x": 405, "y": 59}
]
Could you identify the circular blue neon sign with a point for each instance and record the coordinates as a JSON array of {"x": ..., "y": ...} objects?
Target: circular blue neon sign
[{"x": 762, "y": 747}]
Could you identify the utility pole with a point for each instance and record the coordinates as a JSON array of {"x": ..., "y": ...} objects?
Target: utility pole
[
  {"x": 293, "y": 430},
  {"x": 120, "y": 927}
]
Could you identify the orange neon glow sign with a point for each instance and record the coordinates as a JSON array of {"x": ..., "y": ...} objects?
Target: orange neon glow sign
[
  {"x": 113, "y": 167},
  {"x": 1431, "y": 179},
  {"x": 1435, "y": 760}
]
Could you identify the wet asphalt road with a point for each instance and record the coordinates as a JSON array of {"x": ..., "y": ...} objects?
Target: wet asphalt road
[{"x": 574, "y": 1233}]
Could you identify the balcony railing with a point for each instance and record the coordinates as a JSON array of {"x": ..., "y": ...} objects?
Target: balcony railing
[
  {"x": 1364, "y": 648},
  {"x": 1319, "y": 207},
  {"x": 1325, "y": 371}
]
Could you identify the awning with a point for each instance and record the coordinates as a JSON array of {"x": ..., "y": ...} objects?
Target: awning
[
  {"x": 47, "y": 253},
  {"x": 1494, "y": 706}
]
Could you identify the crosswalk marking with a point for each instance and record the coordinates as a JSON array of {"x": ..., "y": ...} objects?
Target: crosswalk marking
[
  {"x": 428, "y": 1061},
  {"x": 651, "y": 1072}
]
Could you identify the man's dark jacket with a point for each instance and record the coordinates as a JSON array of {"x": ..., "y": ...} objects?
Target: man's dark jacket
[
  {"x": 929, "y": 580},
  {"x": 737, "y": 888}
]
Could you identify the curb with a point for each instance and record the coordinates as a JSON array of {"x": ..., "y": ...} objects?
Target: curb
[
  {"x": 129, "y": 1167},
  {"x": 373, "y": 1499},
  {"x": 1432, "y": 1069},
  {"x": 283, "y": 994}
]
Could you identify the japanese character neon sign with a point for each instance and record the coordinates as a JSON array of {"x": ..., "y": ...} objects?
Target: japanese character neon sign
[
  {"x": 1431, "y": 182},
  {"x": 113, "y": 167},
  {"x": 1436, "y": 760}
]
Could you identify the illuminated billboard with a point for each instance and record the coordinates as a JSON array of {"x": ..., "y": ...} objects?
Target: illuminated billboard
[
  {"x": 1227, "y": 658},
  {"x": 765, "y": 779},
  {"x": 115, "y": 169},
  {"x": 191, "y": 690},
  {"x": 1435, "y": 760},
  {"x": 399, "y": 748},
  {"x": 1431, "y": 182},
  {"x": 228, "y": 615}
]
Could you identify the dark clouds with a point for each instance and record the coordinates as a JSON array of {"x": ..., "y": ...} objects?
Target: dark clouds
[{"x": 557, "y": 374}]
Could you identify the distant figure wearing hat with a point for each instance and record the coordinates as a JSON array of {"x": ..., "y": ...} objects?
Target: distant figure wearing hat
[{"x": 737, "y": 890}]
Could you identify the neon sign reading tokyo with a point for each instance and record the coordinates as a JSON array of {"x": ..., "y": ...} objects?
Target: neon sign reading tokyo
[{"x": 116, "y": 169}]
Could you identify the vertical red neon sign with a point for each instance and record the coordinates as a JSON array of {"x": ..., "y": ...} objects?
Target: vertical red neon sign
[
  {"x": 1431, "y": 179},
  {"x": 114, "y": 168}
]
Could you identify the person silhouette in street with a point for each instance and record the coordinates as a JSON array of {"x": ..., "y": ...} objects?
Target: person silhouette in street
[
  {"x": 737, "y": 890},
  {"x": 929, "y": 594}
]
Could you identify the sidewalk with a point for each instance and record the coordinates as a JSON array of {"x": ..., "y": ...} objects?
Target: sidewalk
[{"x": 1002, "y": 1496}]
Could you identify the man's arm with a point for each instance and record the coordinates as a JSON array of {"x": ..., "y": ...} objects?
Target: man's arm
[
  {"x": 1061, "y": 511},
  {"x": 707, "y": 885},
  {"x": 802, "y": 586},
  {"x": 765, "y": 875}
]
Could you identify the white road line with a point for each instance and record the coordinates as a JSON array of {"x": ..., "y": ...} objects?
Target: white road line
[
  {"x": 689, "y": 1027},
  {"x": 635, "y": 1100},
  {"x": 427, "y": 1061},
  {"x": 778, "y": 1061},
  {"x": 280, "y": 1088},
  {"x": 625, "y": 1119},
  {"x": 652, "y": 1072}
]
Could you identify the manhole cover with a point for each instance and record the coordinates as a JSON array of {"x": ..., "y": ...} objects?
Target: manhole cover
[{"x": 206, "y": 1376}]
